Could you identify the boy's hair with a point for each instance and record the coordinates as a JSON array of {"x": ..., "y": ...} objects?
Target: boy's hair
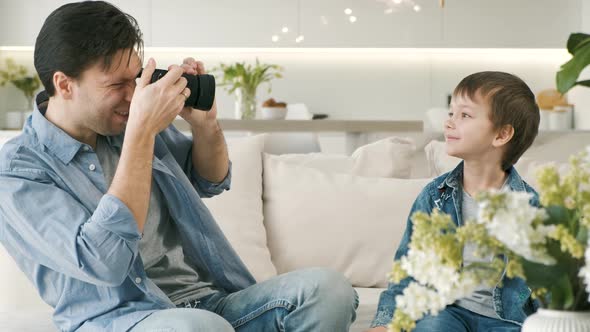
[
  {"x": 77, "y": 35},
  {"x": 512, "y": 103}
]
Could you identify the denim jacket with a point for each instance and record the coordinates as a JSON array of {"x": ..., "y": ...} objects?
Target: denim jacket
[
  {"x": 512, "y": 300},
  {"x": 79, "y": 246}
]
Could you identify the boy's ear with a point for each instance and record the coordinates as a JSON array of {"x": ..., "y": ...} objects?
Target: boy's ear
[{"x": 503, "y": 136}]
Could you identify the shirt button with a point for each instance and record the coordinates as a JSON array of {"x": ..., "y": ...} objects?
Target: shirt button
[
  {"x": 138, "y": 280},
  {"x": 92, "y": 167}
]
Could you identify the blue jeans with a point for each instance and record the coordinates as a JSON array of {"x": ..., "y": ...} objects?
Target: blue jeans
[
  {"x": 314, "y": 299},
  {"x": 458, "y": 319}
]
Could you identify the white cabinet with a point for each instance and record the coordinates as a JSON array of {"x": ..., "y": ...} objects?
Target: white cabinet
[
  {"x": 21, "y": 21},
  {"x": 510, "y": 23},
  {"x": 252, "y": 23}
]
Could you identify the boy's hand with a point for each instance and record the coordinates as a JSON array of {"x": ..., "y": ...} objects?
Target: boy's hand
[{"x": 377, "y": 329}]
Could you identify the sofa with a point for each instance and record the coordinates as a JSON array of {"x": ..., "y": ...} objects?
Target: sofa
[{"x": 292, "y": 211}]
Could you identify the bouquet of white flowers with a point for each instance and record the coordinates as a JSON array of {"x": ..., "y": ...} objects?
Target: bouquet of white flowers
[{"x": 544, "y": 246}]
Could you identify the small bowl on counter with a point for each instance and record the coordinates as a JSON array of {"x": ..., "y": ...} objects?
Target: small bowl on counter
[{"x": 273, "y": 113}]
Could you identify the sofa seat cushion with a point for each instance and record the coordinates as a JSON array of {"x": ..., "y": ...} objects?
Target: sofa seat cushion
[{"x": 368, "y": 301}]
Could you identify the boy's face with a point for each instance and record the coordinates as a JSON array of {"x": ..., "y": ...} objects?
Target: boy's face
[{"x": 469, "y": 131}]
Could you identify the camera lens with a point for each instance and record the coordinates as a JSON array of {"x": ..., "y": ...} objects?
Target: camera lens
[{"x": 202, "y": 89}]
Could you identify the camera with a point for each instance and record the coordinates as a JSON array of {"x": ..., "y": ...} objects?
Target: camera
[{"x": 202, "y": 89}]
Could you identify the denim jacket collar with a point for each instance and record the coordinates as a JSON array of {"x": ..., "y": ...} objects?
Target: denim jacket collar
[{"x": 454, "y": 178}]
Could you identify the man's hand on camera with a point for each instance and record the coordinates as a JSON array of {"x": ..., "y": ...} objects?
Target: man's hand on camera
[
  {"x": 154, "y": 106},
  {"x": 198, "y": 119}
]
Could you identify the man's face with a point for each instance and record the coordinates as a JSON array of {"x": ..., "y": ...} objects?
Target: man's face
[
  {"x": 103, "y": 96},
  {"x": 469, "y": 131}
]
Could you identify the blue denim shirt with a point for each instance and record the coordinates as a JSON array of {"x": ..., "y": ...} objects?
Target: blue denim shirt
[
  {"x": 512, "y": 300},
  {"x": 78, "y": 245}
]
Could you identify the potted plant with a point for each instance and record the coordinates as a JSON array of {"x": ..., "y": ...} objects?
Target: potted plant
[
  {"x": 546, "y": 246},
  {"x": 17, "y": 75},
  {"x": 243, "y": 80}
]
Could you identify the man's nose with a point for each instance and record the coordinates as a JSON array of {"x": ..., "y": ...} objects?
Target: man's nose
[{"x": 129, "y": 89}]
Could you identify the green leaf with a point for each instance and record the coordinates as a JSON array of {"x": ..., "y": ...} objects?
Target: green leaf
[
  {"x": 570, "y": 71},
  {"x": 582, "y": 235},
  {"x": 557, "y": 215},
  {"x": 540, "y": 275},
  {"x": 562, "y": 294},
  {"x": 585, "y": 83},
  {"x": 575, "y": 40}
]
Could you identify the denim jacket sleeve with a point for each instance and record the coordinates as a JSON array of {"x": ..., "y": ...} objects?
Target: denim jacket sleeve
[
  {"x": 52, "y": 227},
  {"x": 386, "y": 306},
  {"x": 181, "y": 148}
]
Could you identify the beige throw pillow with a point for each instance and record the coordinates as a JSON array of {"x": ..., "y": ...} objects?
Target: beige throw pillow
[{"x": 350, "y": 223}]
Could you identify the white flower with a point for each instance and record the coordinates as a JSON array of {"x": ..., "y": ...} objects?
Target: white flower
[
  {"x": 512, "y": 224},
  {"x": 417, "y": 300},
  {"x": 427, "y": 268}
]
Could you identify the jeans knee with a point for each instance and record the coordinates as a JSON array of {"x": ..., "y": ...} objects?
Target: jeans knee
[{"x": 332, "y": 287}]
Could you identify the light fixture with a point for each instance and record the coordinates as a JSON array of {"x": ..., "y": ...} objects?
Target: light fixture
[
  {"x": 275, "y": 38},
  {"x": 300, "y": 37},
  {"x": 417, "y": 8},
  {"x": 347, "y": 11},
  {"x": 397, "y": 2},
  {"x": 352, "y": 19},
  {"x": 285, "y": 29}
]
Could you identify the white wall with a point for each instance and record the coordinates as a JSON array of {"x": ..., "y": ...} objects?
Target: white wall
[{"x": 360, "y": 83}]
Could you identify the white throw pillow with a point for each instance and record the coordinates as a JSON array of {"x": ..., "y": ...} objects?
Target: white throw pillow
[
  {"x": 350, "y": 223},
  {"x": 390, "y": 158},
  {"x": 239, "y": 210},
  {"x": 439, "y": 162}
]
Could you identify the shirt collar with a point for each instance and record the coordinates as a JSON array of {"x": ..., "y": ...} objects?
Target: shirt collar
[{"x": 55, "y": 139}]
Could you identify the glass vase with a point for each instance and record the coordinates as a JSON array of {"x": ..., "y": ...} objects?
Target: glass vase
[{"x": 245, "y": 104}]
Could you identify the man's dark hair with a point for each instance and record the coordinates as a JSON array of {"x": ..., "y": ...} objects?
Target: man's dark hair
[
  {"x": 78, "y": 35},
  {"x": 512, "y": 103}
]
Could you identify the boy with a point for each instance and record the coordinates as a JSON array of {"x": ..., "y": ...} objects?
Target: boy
[{"x": 493, "y": 120}]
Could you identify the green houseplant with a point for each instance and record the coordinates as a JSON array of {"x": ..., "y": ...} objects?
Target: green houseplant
[
  {"x": 17, "y": 75},
  {"x": 243, "y": 80}
]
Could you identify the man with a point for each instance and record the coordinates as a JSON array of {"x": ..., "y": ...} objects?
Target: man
[{"x": 101, "y": 198}]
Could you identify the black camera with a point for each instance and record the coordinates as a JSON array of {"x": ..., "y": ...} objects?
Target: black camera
[{"x": 202, "y": 89}]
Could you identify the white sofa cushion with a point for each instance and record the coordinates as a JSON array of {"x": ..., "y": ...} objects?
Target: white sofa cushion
[
  {"x": 350, "y": 223},
  {"x": 239, "y": 210},
  {"x": 390, "y": 158}
]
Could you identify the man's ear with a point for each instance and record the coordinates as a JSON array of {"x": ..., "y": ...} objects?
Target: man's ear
[
  {"x": 63, "y": 85},
  {"x": 503, "y": 136}
]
